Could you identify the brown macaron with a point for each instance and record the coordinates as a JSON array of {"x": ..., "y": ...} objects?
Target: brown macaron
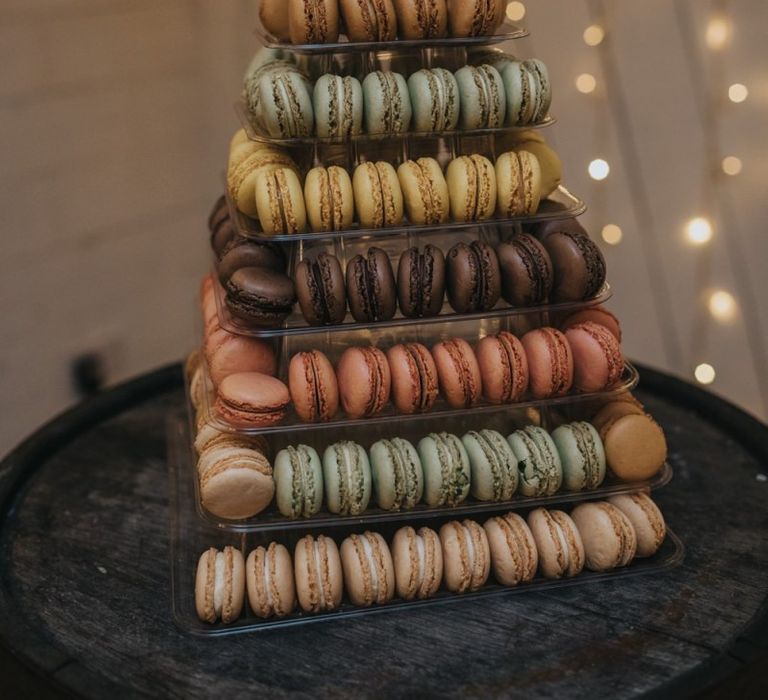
[
  {"x": 371, "y": 287},
  {"x": 646, "y": 519},
  {"x": 561, "y": 550},
  {"x": 526, "y": 271},
  {"x": 313, "y": 386},
  {"x": 421, "y": 19},
  {"x": 513, "y": 550},
  {"x": 369, "y": 573},
  {"x": 474, "y": 278},
  {"x": 220, "y": 585},
  {"x": 313, "y": 21},
  {"x": 421, "y": 282},
  {"x": 321, "y": 291},
  {"x": 458, "y": 373},
  {"x": 369, "y": 20},
  {"x": 364, "y": 381},
  {"x": 475, "y": 17},
  {"x": 578, "y": 264},
  {"x": 418, "y": 560},
  {"x": 269, "y": 581},
  {"x": 274, "y": 16},
  {"x": 414, "y": 377},
  {"x": 503, "y": 368},
  {"x": 319, "y": 578},
  {"x": 466, "y": 556},
  {"x": 609, "y": 538}
]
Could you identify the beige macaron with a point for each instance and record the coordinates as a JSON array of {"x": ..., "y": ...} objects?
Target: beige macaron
[
  {"x": 318, "y": 574},
  {"x": 209, "y": 436},
  {"x": 466, "y": 556},
  {"x": 471, "y": 188},
  {"x": 425, "y": 191},
  {"x": 646, "y": 519},
  {"x": 369, "y": 573},
  {"x": 513, "y": 549},
  {"x": 329, "y": 199},
  {"x": 220, "y": 585},
  {"x": 269, "y": 581},
  {"x": 378, "y": 196},
  {"x": 418, "y": 559},
  {"x": 274, "y": 16},
  {"x": 280, "y": 202},
  {"x": 518, "y": 183},
  {"x": 608, "y": 536},
  {"x": 246, "y": 162},
  {"x": 560, "y": 547},
  {"x": 200, "y": 387}
]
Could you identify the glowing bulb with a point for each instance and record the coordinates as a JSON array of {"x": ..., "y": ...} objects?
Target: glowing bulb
[
  {"x": 704, "y": 373},
  {"x": 699, "y": 231},
  {"x": 718, "y": 32},
  {"x": 612, "y": 234},
  {"x": 515, "y": 11},
  {"x": 599, "y": 169},
  {"x": 738, "y": 92},
  {"x": 722, "y": 305},
  {"x": 594, "y": 35},
  {"x": 732, "y": 165},
  {"x": 586, "y": 83}
]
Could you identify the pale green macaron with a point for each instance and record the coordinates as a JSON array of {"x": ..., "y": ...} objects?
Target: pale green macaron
[
  {"x": 435, "y": 100},
  {"x": 338, "y": 106},
  {"x": 398, "y": 479},
  {"x": 298, "y": 476},
  {"x": 447, "y": 471},
  {"x": 285, "y": 104},
  {"x": 582, "y": 455},
  {"x": 541, "y": 472},
  {"x": 493, "y": 464},
  {"x": 347, "y": 474},
  {"x": 528, "y": 91},
  {"x": 483, "y": 103},
  {"x": 386, "y": 103}
]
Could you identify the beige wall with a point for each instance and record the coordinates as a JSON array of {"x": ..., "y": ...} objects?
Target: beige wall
[{"x": 115, "y": 117}]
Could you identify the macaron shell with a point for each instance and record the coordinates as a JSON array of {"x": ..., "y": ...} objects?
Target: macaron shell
[
  {"x": 549, "y": 162},
  {"x": 387, "y": 103},
  {"x": 249, "y": 254},
  {"x": 238, "y": 487},
  {"x": 597, "y": 358},
  {"x": 613, "y": 410},
  {"x": 581, "y": 454},
  {"x": 230, "y": 584},
  {"x": 595, "y": 314},
  {"x": 550, "y": 362},
  {"x": 518, "y": 184},
  {"x": 329, "y": 199},
  {"x": 369, "y": 573},
  {"x": 550, "y": 543},
  {"x": 346, "y": 478},
  {"x": 371, "y": 288},
  {"x": 446, "y": 468},
  {"x": 513, "y": 550},
  {"x": 503, "y": 368},
  {"x": 473, "y": 276},
  {"x": 397, "y": 475},
  {"x": 280, "y": 202},
  {"x": 423, "y": 19},
  {"x": 369, "y": 20},
  {"x": 298, "y": 476},
  {"x": 493, "y": 465},
  {"x": 244, "y": 168},
  {"x": 458, "y": 373},
  {"x": 421, "y": 282},
  {"x": 414, "y": 378},
  {"x": 313, "y": 386},
  {"x": 482, "y": 98},
  {"x": 572, "y": 536},
  {"x": 635, "y": 447},
  {"x": 338, "y": 106},
  {"x": 646, "y": 518},
  {"x": 579, "y": 265},
  {"x": 406, "y": 559},
  {"x": 475, "y": 17},
  {"x": 364, "y": 381},
  {"x": 285, "y": 104},
  {"x": 435, "y": 100},
  {"x": 471, "y": 188},
  {"x": 608, "y": 536},
  {"x": 378, "y": 195},
  {"x": 274, "y": 16},
  {"x": 425, "y": 191},
  {"x": 318, "y": 573},
  {"x": 541, "y": 471},
  {"x": 320, "y": 27},
  {"x": 466, "y": 556},
  {"x": 269, "y": 581},
  {"x": 260, "y": 296},
  {"x": 251, "y": 398},
  {"x": 526, "y": 271},
  {"x": 320, "y": 290},
  {"x": 227, "y": 354}
]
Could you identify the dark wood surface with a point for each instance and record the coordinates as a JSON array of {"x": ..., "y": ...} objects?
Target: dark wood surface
[{"x": 85, "y": 601}]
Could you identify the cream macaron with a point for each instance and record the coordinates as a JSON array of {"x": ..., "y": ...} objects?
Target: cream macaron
[
  {"x": 269, "y": 581},
  {"x": 609, "y": 538},
  {"x": 471, "y": 188},
  {"x": 425, "y": 191},
  {"x": 518, "y": 183},
  {"x": 466, "y": 556},
  {"x": 369, "y": 573},
  {"x": 646, "y": 519},
  {"x": 220, "y": 585},
  {"x": 280, "y": 202},
  {"x": 418, "y": 560},
  {"x": 378, "y": 195},
  {"x": 329, "y": 199},
  {"x": 318, "y": 574},
  {"x": 559, "y": 543}
]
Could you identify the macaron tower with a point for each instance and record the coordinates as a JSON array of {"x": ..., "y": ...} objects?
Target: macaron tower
[{"x": 408, "y": 387}]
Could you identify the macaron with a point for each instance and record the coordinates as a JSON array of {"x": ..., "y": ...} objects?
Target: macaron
[
  {"x": 369, "y": 573},
  {"x": 541, "y": 471},
  {"x": 378, "y": 195},
  {"x": 386, "y": 103},
  {"x": 596, "y": 314},
  {"x": 421, "y": 19},
  {"x": 414, "y": 377},
  {"x": 425, "y": 191},
  {"x": 298, "y": 475},
  {"x": 235, "y": 481},
  {"x": 209, "y": 436},
  {"x": 263, "y": 64},
  {"x": 329, "y": 200},
  {"x": 549, "y": 162},
  {"x": 338, "y": 106},
  {"x": 371, "y": 289},
  {"x": 493, "y": 465},
  {"x": 269, "y": 581},
  {"x": 558, "y": 541},
  {"x": 313, "y": 386},
  {"x": 597, "y": 358},
  {"x": 581, "y": 454},
  {"x": 458, "y": 372},
  {"x": 227, "y": 353},
  {"x": 199, "y": 388},
  {"x": 418, "y": 561},
  {"x": 475, "y": 17},
  {"x": 398, "y": 479},
  {"x": 245, "y": 166},
  {"x": 528, "y": 92},
  {"x": 220, "y": 585},
  {"x": 526, "y": 271},
  {"x": 550, "y": 362},
  {"x": 369, "y": 20},
  {"x": 518, "y": 184},
  {"x": 646, "y": 518},
  {"x": 285, "y": 104},
  {"x": 274, "y": 16},
  {"x": 474, "y": 277},
  {"x": 613, "y": 409},
  {"x": 466, "y": 556},
  {"x": 483, "y": 104},
  {"x": 313, "y": 21},
  {"x": 446, "y": 467},
  {"x": 245, "y": 253},
  {"x": 364, "y": 381},
  {"x": 434, "y": 100},
  {"x": 260, "y": 296},
  {"x": 514, "y": 556},
  {"x": 503, "y": 368},
  {"x": 320, "y": 289},
  {"x": 421, "y": 282},
  {"x": 280, "y": 202},
  {"x": 471, "y": 188},
  {"x": 347, "y": 478},
  {"x": 578, "y": 263},
  {"x": 252, "y": 399},
  {"x": 609, "y": 538},
  {"x": 319, "y": 578}
]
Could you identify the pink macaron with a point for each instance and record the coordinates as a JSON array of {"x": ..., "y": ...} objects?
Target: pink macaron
[
  {"x": 227, "y": 354},
  {"x": 414, "y": 377},
  {"x": 364, "y": 381},
  {"x": 550, "y": 363},
  {"x": 313, "y": 386},
  {"x": 596, "y": 314},
  {"x": 252, "y": 399},
  {"x": 458, "y": 372},
  {"x": 503, "y": 368},
  {"x": 598, "y": 362}
]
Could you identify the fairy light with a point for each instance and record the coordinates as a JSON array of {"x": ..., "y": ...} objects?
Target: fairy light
[
  {"x": 586, "y": 83},
  {"x": 722, "y": 305},
  {"x": 698, "y": 231},
  {"x": 599, "y": 169},
  {"x": 612, "y": 234},
  {"x": 594, "y": 35},
  {"x": 515, "y": 11},
  {"x": 719, "y": 30},
  {"x": 738, "y": 93},
  {"x": 732, "y": 165},
  {"x": 705, "y": 373}
]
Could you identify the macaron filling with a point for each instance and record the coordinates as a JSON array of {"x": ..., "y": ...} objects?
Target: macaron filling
[
  {"x": 371, "y": 565},
  {"x": 219, "y": 583},
  {"x": 267, "y": 580},
  {"x": 319, "y": 574}
]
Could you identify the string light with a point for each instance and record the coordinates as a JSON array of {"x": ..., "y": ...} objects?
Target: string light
[
  {"x": 515, "y": 11},
  {"x": 599, "y": 169},
  {"x": 732, "y": 165},
  {"x": 722, "y": 305},
  {"x": 719, "y": 31},
  {"x": 594, "y": 35},
  {"x": 705, "y": 373},
  {"x": 738, "y": 93},
  {"x": 612, "y": 234},
  {"x": 699, "y": 231},
  {"x": 586, "y": 83}
]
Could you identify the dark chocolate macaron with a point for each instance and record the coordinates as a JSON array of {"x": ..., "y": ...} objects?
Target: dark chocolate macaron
[
  {"x": 474, "y": 278},
  {"x": 250, "y": 254},
  {"x": 526, "y": 271},
  {"x": 221, "y": 228},
  {"x": 260, "y": 296},
  {"x": 371, "y": 287},
  {"x": 578, "y": 264},
  {"x": 421, "y": 282},
  {"x": 320, "y": 289}
]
